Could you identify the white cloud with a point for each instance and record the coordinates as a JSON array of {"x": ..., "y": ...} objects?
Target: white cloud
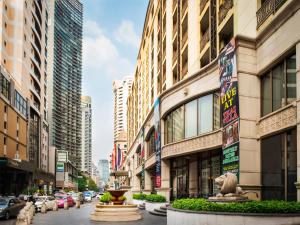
[
  {"x": 102, "y": 63},
  {"x": 125, "y": 33}
]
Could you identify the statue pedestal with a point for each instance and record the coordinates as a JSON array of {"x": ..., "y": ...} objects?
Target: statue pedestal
[{"x": 228, "y": 199}]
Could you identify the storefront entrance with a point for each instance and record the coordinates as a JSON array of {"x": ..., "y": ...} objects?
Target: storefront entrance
[
  {"x": 179, "y": 178},
  {"x": 279, "y": 166},
  {"x": 209, "y": 168}
]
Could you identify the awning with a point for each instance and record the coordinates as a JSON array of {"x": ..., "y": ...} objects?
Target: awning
[
  {"x": 119, "y": 173},
  {"x": 16, "y": 164}
]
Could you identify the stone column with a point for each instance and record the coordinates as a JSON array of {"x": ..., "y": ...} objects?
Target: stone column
[
  {"x": 193, "y": 178},
  {"x": 165, "y": 179},
  {"x": 249, "y": 106},
  {"x": 298, "y": 118},
  {"x": 148, "y": 185}
]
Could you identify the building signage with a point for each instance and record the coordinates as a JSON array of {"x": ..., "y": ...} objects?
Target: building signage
[
  {"x": 60, "y": 167},
  {"x": 229, "y": 108},
  {"x": 143, "y": 159},
  {"x": 157, "y": 137},
  {"x": 62, "y": 156}
]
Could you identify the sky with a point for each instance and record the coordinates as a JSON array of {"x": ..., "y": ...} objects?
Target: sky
[{"x": 111, "y": 37}]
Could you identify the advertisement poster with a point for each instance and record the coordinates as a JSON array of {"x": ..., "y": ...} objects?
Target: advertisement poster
[
  {"x": 60, "y": 167},
  {"x": 157, "y": 144},
  {"x": 229, "y": 108},
  {"x": 143, "y": 158}
]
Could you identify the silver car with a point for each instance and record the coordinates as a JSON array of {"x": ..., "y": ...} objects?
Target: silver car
[{"x": 10, "y": 206}]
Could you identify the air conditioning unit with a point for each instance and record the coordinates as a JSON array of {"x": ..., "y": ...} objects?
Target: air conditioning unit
[{"x": 5, "y": 150}]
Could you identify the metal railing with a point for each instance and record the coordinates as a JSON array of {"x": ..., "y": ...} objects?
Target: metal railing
[
  {"x": 268, "y": 8},
  {"x": 204, "y": 39},
  {"x": 224, "y": 8}
]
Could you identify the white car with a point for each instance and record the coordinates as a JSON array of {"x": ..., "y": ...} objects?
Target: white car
[{"x": 49, "y": 201}]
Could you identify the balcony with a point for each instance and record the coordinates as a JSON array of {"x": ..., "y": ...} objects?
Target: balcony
[
  {"x": 204, "y": 39},
  {"x": 184, "y": 39},
  {"x": 202, "y": 5},
  {"x": 268, "y": 8},
  {"x": 224, "y": 8},
  {"x": 184, "y": 69},
  {"x": 184, "y": 7}
]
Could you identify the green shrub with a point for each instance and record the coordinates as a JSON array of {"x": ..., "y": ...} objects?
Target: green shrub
[
  {"x": 122, "y": 198},
  {"x": 106, "y": 197},
  {"x": 155, "y": 198},
  {"x": 140, "y": 196},
  {"x": 246, "y": 207}
]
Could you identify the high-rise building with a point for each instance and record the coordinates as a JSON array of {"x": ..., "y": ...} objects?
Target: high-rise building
[
  {"x": 103, "y": 167},
  {"x": 86, "y": 144},
  {"x": 216, "y": 89},
  {"x": 24, "y": 61},
  {"x": 121, "y": 90},
  {"x": 65, "y": 79}
]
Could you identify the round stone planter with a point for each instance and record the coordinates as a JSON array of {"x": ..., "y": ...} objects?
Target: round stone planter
[
  {"x": 150, "y": 206},
  {"x": 183, "y": 217},
  {"x": 137, "y": 201}
]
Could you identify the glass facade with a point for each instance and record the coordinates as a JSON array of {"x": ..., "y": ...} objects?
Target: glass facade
[
  {"x": 279, "y": 172},
  {"x": 20, "y": 103},
  {"x": 179, "y": 178},
  {"x": 67, "y": 77},
  {"x": 151, "y": 143},
  {"x": 194, "y": 118},
  {"x": 5, "y": 87},
  {"x": 279, "y": 86}
]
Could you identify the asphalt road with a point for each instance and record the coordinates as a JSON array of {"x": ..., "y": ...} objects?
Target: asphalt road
[{"x": 80, "y": 216}]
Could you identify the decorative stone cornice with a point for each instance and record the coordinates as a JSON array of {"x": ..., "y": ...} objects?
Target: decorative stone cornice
[
  {"x": 277, "y": 121},
  {"x": 200, "y": 143}
]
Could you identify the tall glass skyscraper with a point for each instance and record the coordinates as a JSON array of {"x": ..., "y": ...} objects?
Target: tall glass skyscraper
[{"x": 65, "y": 89}]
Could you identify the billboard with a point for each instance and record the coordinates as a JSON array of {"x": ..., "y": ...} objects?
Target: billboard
[
  {"x": 60, "y": 167},
  {"x": 62, "y": 156},
  {"x": 157, "y": 137},
  {"x": 229, "y": 107}
]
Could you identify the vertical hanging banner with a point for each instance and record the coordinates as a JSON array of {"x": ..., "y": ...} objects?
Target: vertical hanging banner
[
  {"x": 156, "y": 115},
  {"x": 229, "y": 108},
  {"x": 143, "y": 158}
]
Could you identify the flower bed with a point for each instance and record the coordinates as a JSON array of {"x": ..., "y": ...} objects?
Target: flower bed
[{"x": 202, "y": 212}]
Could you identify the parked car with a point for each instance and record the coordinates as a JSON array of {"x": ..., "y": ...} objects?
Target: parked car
[
  {"x": 87, "y": 196},
  {"x": 10, "y": 206},
  {"x": 60, "y": 199},
  {"x": 77, "y": 196},
  {"x": 49, "y": 201}
]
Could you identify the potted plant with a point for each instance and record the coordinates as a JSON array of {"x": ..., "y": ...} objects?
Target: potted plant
[{"x": 106, "y": 198}]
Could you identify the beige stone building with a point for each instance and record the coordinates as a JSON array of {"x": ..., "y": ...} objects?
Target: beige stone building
[
  {"x": 177, "y": 64},
  {"x": 23, "y": 55}
]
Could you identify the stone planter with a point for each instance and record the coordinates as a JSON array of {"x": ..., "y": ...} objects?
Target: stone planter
[
  {"x": 150, "y": 206},
  {"x": 137, "y": 201},
  {"x": 180, "y": 217}
]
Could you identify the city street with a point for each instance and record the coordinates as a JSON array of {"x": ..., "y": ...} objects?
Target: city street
[{"x": 81, "y": 217}]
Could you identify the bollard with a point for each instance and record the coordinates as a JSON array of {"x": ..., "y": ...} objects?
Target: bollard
[
  {"x": 22, "y": 218},
  {"x": 77, "y": 204},
  {"x": 66, "y": 206},
  {"x": 55, "y": 207},
  {"x": 43, "y": 208}
]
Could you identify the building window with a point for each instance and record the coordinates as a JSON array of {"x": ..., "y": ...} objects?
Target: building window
[
  {"x": 190, "y": 125},
  {"x": 194, "y": 118},
  {"x": 4, "y": 140},
  {"x": 5, "y": 125},
  {"x": 5, "y": 87},
  {"x": 20, "y": 103},
  {"x": 279, "y": 86},
  {"x": 5, "y": 109},
  {"x": 279, "y": 172},
  {"x": 205, "y": 114}
]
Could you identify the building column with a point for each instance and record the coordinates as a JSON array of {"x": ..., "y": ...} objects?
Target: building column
[
  {"x": 298, "y": 118},
  {"x": 249, "y": 106},
  {"x": 193, "y": 177},
  {"x": 148, "y": 185},
  {"x": 165, "y": 180}
]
